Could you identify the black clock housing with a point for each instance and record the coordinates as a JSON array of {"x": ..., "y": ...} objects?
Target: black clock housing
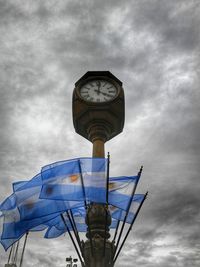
[{"x": 98, "y": 120}]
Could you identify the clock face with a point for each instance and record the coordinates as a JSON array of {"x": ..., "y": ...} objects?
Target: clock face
[{"x": 98, "y": 91}]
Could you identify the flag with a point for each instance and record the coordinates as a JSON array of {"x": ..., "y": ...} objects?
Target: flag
[
  {"x": 53, "y": 232},
  {"x": 7, "y": 242},
  {"x": 23, "y": 210},
  {"x": 31, "y": 206},
  {"x": 57, "y": 227},
  {"x": 8, "y": 203},
  {"x": 121, "y": 189},
  {"x": 14, "y": 227},
  {"x": 79, "y": 219},
  {"x": 120, "y": 214},
  {"x": 75, "y": 180}
]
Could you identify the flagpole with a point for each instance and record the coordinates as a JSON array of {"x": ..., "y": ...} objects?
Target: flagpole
[
  {"x": 71, "y": 237},
  {"x": 16, "y": 252},
  {"x": 86, "y": 208},
  {"x": 73, "y": 224},
  {"x": 116, "y": 231},
  {"x": 10, "y": 254},
  {"x": 130, "y": 228},
  {"x": 106, "y": 206},
  {"x": 129, "y": 205},
  {"x": 13, "y": 252},
  {"x": 22, "y": 256},
  {"x": 107, "y": 181}
]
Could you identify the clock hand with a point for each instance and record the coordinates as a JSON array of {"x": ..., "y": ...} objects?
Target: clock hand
[
  {"x": 98, "y": 91},
  {"x": 98, "y": 85}
]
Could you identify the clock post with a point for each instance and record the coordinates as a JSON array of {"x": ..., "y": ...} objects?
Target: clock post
[{"x": 98, "y": 115}]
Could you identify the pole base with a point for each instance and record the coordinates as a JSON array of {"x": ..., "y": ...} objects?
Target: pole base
[{"x": 97, "y": 256}]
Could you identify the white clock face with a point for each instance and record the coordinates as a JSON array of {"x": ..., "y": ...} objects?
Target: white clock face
[{"x": 98, "y": 91}]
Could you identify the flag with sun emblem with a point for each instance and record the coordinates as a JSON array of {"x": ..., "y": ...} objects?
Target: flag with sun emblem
[
  {"x": 75, "y": 180},
  {"x": 31, "y": 206},
  {"x": 121, "y": 189},
  {"x": 120, "y": 214},
  {"x": 23, "y": 210}
]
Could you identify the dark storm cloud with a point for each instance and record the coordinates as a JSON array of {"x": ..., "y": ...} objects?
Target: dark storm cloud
[
  {"x": 9, "y": 12},
  {"x": 173, "y": 22},
  {"x": 179, "y": 207}
]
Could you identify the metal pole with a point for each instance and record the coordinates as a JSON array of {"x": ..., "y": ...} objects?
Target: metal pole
[
  {"x": 16, "y": 252},
  {"x": 71, "y": 237},
  {"x": 22, "y": 256},
  {"x": 98, "y": 149},
  {"x": 10, "y": 254},
  {"x": 72, "y": 222},
  {"x": 130, "y": 228},
  {"x": 107, "y": 180},
  {"x": 129, "y": 205},
  {"x": 13, "y": 253},
  {"x": 116, "y": 231},
  {"x": 107, "y": 185},
  {"x": 86, "y": 208}
]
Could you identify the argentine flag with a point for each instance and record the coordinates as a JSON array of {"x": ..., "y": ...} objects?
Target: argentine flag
[
  {"x": 14, "y": 227},
  {"x": 75, "y": 180},
  {"x": 29, "y": 204},
  {"x": 121, "y": 189},
  {"x": 119, "y": 214}
]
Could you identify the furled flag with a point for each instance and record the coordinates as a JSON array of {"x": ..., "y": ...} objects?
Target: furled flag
[{"x": 82, "y": 179}]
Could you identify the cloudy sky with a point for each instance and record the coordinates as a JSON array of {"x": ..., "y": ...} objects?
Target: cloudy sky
[{"x": 152, "y": 46}]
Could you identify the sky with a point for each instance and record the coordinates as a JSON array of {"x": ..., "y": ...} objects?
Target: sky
[{"x": 152, "y": 46}]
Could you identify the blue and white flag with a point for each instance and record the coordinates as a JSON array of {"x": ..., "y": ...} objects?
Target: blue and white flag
[
  {"x": 23, "y": 210},
  {"x": 6, "y": 243},
  {"x": 121, "y": 189},
  {"x": 75, "y": 180},
  {"x": 119, "y": 214},
  {"x": 31, "y": 206},
  {"x": 79, "y": 219},
  {"x": 14, "y": 227},
  {"x": 57, "y": 227},
  {"x": 53, "y": 232}
]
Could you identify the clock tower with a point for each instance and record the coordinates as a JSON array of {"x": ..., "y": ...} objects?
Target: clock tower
[
  {"x": 98, "y": 115},
  {"x": 98, "y": 108}
]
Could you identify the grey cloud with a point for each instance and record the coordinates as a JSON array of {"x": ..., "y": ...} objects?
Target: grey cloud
[
  {"x": 175, "y": 23},
  {"x": 152, "y": 46}
]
